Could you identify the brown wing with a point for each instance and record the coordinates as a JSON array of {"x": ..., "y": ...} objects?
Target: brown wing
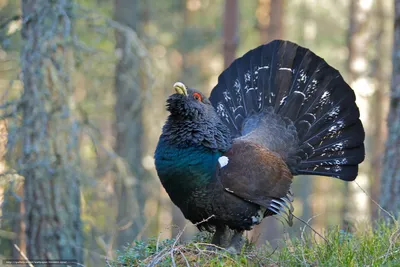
[{"x": 257, "y": 175}]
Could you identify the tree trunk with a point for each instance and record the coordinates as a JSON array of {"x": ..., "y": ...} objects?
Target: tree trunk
[
  {"x": 379, "y": 102},
  {"x": 49, "y": 157},
  {"x": 11, "y": 224},
  {"x": 231, "y": 31},
  {"x": 130, "y": 135},
  {"x": 269, "y": 15},
  {"x": 356, "y": 205},
  {"x": 390, "y": 183},
  {"x": 19, "y": 225}
]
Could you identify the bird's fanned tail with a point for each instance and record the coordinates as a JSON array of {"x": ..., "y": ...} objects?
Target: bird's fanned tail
[{"x": 291, "y": 101}]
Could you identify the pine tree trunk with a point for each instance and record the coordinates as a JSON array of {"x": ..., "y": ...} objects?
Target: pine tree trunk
[
  {"x": 231, "y": 31},
  {"x": 379, "y": 102},
  {"x": 49, "y": 160},
  {"x": 356, "y": 205},
  {"x": 263, "y": 15},
  {"x": 390, "y": 182},
  {"x": 269, "y": 15},
  {"x": 129, "y": 126}
]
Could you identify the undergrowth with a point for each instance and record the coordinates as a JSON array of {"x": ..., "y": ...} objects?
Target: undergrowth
[{"x": 377, "y": 246}]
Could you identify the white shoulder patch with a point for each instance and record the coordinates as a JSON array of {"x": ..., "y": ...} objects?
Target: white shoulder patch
[{"x": 223, "y": 161}]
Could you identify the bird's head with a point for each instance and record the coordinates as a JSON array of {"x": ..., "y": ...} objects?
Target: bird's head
[
  {"x": 189, "y": 104},
  {"x": 193, "y": 120}
]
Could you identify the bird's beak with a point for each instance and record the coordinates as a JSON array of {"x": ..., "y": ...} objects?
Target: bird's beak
[{"x": 180, "y": 88}]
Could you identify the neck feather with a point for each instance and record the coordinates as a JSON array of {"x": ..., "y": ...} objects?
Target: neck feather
[
  {"x": 185, "y": 168},
  {"x": 211, "y": 134}
]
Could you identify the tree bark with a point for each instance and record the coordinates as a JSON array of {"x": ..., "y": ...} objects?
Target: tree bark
[
  {"x": 390, "y": 182},
  {"x": 129, "y": 127},
  {"x": 269, "y": 15},
  {"x": 379, "y": 102},
  {"x": 49, "y": 161},
  {"x": 231, "y": 31},
  {"x": 356, "y": 205}
]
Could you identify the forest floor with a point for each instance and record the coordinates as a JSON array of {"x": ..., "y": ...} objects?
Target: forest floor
[{"x": 369, "y": 246}]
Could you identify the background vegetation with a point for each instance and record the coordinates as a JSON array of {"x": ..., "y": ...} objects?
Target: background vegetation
[{"x": 82, "y": 101}]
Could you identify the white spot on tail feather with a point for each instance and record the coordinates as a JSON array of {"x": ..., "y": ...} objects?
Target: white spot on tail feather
[
  {"x": 223, "y": 161},
  {"x": 333, "y": 113},
  {"x": 289, "y": 69},
  {"x": 338, "y": 126},
  {"x": 226, "y": 96},
  {"x": 263, "y": 67},
  {"x": 298, "y": 92},
  {"x": 237, "y": 84},
  {"x": 325, "y": 98},
  {"x": 283, "y": 101},
  {"x": 247, "y": 76}
]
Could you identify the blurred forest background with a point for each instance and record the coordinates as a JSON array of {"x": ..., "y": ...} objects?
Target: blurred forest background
[{"x": 83, "y": 86}]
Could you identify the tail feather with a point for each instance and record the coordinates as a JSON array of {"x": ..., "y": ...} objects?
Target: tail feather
[{"x": 285, "y": 80}]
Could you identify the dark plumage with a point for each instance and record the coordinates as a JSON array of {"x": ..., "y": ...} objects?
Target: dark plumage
[{"x": 276, "y": 112}]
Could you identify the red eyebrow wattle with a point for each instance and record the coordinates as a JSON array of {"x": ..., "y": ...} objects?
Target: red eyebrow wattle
[{"x": 198, "y": 96}]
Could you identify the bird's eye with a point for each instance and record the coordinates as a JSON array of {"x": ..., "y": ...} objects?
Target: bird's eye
[{"x": 197, "y": 96}]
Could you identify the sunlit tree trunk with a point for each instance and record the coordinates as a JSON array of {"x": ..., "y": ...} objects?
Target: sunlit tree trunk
[
  {"x": 390, "y": 183},
  {"x": 263, "y": 15},
  {"x": 356, "y": 205},
  {"x": 49, "y": 159},
  {"x": 379, "y": 102},
  {"x": 9, "y": 206},
  {"x": 269, "y": 15},
  {"x": 231, "y": 31},
  {"x": 129, "y": 127},
  {"x": 11, "y": 225},
  {"x": 18, "y": 226}
]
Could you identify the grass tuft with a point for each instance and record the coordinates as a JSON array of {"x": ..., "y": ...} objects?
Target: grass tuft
[{"x": 378, "y": 246}]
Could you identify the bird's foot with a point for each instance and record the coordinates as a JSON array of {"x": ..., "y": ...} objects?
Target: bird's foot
[
  {"x": 232, "y": 250},
  {"x": 222, "y": 236},
  {"x": 236, "y": 243}
]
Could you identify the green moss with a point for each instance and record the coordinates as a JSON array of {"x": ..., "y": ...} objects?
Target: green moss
[{"x": 372, "y": 247}]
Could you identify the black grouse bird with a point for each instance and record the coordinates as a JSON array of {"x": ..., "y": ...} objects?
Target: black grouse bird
[{"x": 278, "y": 111}]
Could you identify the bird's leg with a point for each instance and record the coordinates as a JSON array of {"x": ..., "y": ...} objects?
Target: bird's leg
[
  {"x": 236, "y": 243},
  {"x": 221, "y": 236}
]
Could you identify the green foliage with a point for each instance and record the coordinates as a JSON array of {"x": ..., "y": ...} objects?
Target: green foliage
[
  {"x": 378, "y": 247},
  {"x": 369, "y": 247}
]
